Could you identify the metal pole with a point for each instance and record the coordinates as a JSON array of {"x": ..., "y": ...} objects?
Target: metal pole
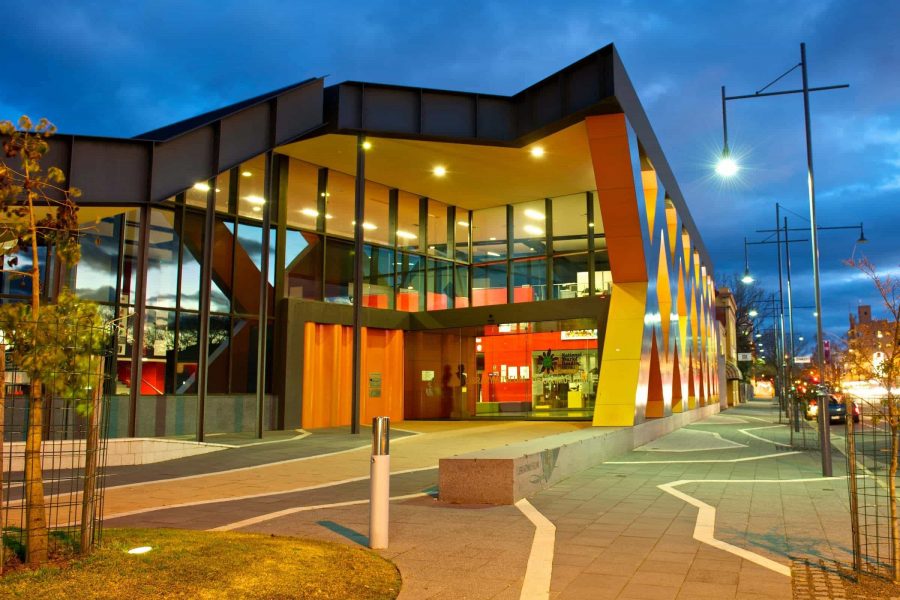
[
  {"x": 725, "y": 151},
  {"x": 358, "y": 279},
  {"x": 380, "y": 483},
  {"x": 783, "y": 401},
  {"x": 824, "y": 433},
  {"x": 790, "y": 296}
]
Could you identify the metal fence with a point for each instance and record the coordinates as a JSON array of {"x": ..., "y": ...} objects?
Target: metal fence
[
  {"x": 72, "y": 430},
  {"x": 871, "y": 450}
]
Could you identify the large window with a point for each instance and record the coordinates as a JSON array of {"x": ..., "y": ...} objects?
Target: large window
[{"x": 489, "y": 234}]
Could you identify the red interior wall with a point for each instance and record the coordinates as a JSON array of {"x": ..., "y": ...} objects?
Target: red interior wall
[{"x": 516, "y": 349}]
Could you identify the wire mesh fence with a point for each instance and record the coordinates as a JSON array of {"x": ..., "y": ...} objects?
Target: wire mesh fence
[
  {"x": 53, "y": 441},
  {"x": 872, "y": 447}
]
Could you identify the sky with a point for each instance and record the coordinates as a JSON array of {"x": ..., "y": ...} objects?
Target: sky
[{"x": 121, "y": 68}]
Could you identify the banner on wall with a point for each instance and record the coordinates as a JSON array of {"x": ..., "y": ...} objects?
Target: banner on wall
[{"x": 579, "y": 334}]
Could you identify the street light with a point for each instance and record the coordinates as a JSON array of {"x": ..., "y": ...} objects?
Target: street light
[
  {"x": 747, "y": 279},
  {"x": 824, "y": 434},
  {"x": 753, "y": 312}
]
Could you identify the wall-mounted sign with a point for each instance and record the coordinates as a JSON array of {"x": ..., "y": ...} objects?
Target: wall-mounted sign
[
  {"x": 745, "y": 356},
  {"x": 579, "y": 334},
  {"x": 803, "y": 360},
  {"x": 512, "y": 373},
  {"x": 427, "y": 375}
]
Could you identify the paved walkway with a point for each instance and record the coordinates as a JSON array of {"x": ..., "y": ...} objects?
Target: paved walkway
[{"x": 720, "y": 509}]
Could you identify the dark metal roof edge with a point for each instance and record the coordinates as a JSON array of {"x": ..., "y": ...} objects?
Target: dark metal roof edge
[
  {"x": 168, "y": 132},
  {"x": 637, "y": 118}
]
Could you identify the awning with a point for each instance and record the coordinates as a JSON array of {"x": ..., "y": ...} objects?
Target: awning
[{"x": 732, "y": 372}]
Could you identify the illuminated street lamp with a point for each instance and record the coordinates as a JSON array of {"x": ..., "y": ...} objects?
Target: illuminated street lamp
[
  {"x": 753, "y": 312},
  {"x": 747, "y": 279}
]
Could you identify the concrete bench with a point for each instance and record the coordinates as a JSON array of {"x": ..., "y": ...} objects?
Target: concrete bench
[{"x": 506, "y": 474}]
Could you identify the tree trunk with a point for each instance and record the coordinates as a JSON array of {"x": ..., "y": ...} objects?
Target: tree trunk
[
  {"x": 892, "y": 494},
  {"x": 2, "y": 437},
  {"x": 35, "y": 512},
  {"x": 92, "y": 455}
]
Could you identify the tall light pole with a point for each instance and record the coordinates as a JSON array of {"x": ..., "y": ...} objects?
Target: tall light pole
[{"x": 729, "y": 167}]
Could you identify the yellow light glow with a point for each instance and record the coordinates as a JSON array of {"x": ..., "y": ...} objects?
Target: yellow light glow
[
  {"x": 140, "y": 550},
  {"x": 203, "y": 187},
  {"x": 534, "y": 214},
  {"x": 246, "y": 174},
  {"x": 310, "y": 212},
  {"x": 439, "y": 171},
  {"x": 369, "y": 226},
  {"x": 406, "y": 235},
  {"x": 462, "y": 223},
  {"x": 367, "y": 145},
  {"x": 533, "y": 230},
  {"x": 255, "y": 199},
  {"x": 537, "y": 151}
]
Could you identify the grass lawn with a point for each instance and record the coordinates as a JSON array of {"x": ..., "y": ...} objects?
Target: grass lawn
[{"x": 200, "y": 564}]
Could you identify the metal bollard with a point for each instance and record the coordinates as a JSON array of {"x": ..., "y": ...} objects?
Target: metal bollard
[{"x": 380, "y": 483}]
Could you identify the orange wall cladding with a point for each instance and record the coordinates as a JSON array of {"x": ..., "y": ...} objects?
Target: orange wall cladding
[{"x": 328, "y": 381}]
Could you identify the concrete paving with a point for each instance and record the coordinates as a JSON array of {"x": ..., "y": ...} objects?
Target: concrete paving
[{"x": 626, "y": 529}]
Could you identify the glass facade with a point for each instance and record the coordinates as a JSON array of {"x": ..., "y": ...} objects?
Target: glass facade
[{"x": 196, "y": 278}]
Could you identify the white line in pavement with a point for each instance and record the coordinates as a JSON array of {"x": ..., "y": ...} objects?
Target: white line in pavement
[
  {"x": 540, "y": 561},
  {"x": 260, "y": 495},
  {"x": 762, "y": 439},
  {"x": 705, "y": 526},
  {"x": 709, "y": 460},
  {"x": 302, "y": 433},
  {"x": 298, "y": 509}
]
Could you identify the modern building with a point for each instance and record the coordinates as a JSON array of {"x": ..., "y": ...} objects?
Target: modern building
[{"x": 527, "y": 256}]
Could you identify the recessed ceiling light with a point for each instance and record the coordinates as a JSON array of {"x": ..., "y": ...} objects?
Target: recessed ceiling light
[
  {"x": 256, "y": 209},
  {"x": 310, "y": 212},
  {"x": 255, "y": 199},
  {"x": 439, "y": 171},
  {"x": 203, "y": 187},
  {"x": 369, "y": 226},
  {"x": 246, "y": 174},
  {"x": 406, "y": 235},
  {"x": 537, "y": 151},
  {"x": 490, "y": 253},
  {"x": 324, "y": 194},
  {"x": 533, "y": 230},
  {"x": 534, "y": 214},
  {"x": 462, "y": 223},
  {"x": 492, "y": 239},
  {"x": 367, "y": 145}
]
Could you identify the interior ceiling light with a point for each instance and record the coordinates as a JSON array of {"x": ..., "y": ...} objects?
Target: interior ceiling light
[
  {"x": 462, "y": 223},
  {"x": 256, "y": 209},
  {"x": 533, "y": 230},
  {"x": 246, "y": 174},
  {"x": 367, "y": 145},
  {"x": 406, "y": 235},
  {"x": 255, "y": 199},
  {"x": 537, "y": 151},
  {"x": 439, "y": 171},
  {"x": 369, "y": 226},
  {"x": 492, "y": 239},
  {"x": 203, "y": 187},
  {"x": 310, "y": 212},
  {"x": 490, "y": 253},
  {"x": 534, "y": 214}
]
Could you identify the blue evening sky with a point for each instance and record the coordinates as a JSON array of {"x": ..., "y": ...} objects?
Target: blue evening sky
[{"x": 120, "y": 68}]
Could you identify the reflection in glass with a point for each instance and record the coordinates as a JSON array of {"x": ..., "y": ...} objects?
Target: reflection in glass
[
  {"x": 98, "y": 270},
  {"x": 378, "y": 277},
  {"x": 461, "y": 286},
  {"x": 461, "y": 239},
  {"x": 340, "y": 203},
  {"x": 529, "y": 280},
  {"x": 191, "y": 259},
  {"x": 570, "y": 224},
  {"x": 303, "y": 265},
  {"x": 407, "y": 221},
  {"x": 162, "y": 259},
  {"x": 224, "y": 201},
  {"x": 437, "y": 228},
  {"x": 248, "y": 253},
  {"x": 376, "y": 227},
  {"x": 251, "y": 187},
  {"x": 602, "y": 273},
  {"x": 530, "y": 227},
  {"x": 188, "y": 353},
  {"x": 410, "y": 282},
  {"x": 244, "y": 341},
  {"x": 338, "y": 271},
  {"x": 222, "y": 265},
  {"x": 489, "y": 284},
  {"x": 440, "y": 285},
  {"x": 158, "y": 366},
  {"x": 302, "y": 194},
  {"x": 489, "y": 234},
  {"x": 219, "y": 340},
  {"x": 570, "y": 275}
]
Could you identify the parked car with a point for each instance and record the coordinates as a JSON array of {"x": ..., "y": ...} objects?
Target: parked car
[{"x": 837, "y": 409}]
